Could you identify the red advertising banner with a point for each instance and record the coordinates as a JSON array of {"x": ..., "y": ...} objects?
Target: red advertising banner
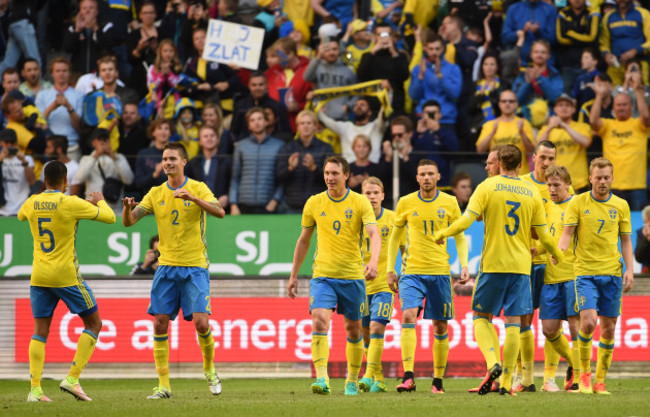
[{"x": 279, "y": 330}]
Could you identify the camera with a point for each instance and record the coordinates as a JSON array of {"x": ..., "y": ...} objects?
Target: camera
[
  {"x": 634, "y": 68},
  {"x": 431, "y": 114},
  {"x": 175, "y": 6},
  {"x": 12, "y": 150}
]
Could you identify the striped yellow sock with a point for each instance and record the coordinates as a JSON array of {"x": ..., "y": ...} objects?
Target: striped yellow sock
[
  {"x": 584, "y": 345},
  {"x": 575, "y": 355},
  {"x": 561, "y": 346},
  {"x": 36, "y": 359},
  {"x": 85, "y": 348},
  {"x": 365, "y": 350},
  {"x": 354, "y": 354},
  {"x": 408, "y": 341},
  {"x": 551, "y": 359},
  {"x": 527, "y": 340},
  {"x": 161, "y": 358},
  {"x": 375, "y": 352},
  {"x": 440, "y": 354},
  {"x": 320, "y": 352},
  {"x": 206, "y": 342},
  {"x": 510, "y": 349},
  {"x": 605, "y": 354},
  {"x": 485, "y": 341},
  {"x": 495, "y": 339}
]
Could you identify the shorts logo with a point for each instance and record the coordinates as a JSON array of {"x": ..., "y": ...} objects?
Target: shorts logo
[
  {"x": 311, "y": 300},
  {"x": 582, "y": 300},
  {"x": 441, "y": 213},
  {"x": 384, "y": 231},
  {"x": 478, "y": 307},
  {"x": 612, "y": 213}
]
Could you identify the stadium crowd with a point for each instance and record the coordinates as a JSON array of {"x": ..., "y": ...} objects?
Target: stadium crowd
[{"x": 103, "y": 85}]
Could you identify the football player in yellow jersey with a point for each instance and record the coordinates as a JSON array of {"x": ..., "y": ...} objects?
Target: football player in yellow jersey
[
  {"x": 182, "y": 279},
  {"x": 380, "y": 296},
  {"x": 338, "y": 214},
  {"x": 543, "y": 158},
  {"x": 511, "y": 207},
  {"x": 558, "y": 296},
  {"x": 598, "y": 218},
  {"x": 53, "y": 219},
  {"x": 426, "y": 268}
]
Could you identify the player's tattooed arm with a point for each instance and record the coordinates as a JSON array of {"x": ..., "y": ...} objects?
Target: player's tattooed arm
[
  {"x": 138, "y": 212},
  {"x": 131, "y": 211}
]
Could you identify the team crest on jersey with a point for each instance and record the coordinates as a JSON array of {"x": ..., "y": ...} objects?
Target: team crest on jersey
[
  {"x": 384, "y": 231},
  {"x": 612, "y": 213},
  {"x": 348, "y": 213},
  {"x": 187, "y": 203},
  {"x": 562, "y": 218},
  {"x": 441, "y": 213}
]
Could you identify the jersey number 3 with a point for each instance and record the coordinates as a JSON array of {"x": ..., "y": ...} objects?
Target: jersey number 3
[{"x": 512, "y": 213}]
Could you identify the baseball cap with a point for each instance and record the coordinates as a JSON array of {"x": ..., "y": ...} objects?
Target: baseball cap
[
  {"x": 357, "y": 25},
  {"x": 565, "y": 97}
]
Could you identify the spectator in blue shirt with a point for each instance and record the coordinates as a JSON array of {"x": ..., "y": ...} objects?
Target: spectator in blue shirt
[{"x": 148, "y": 164}]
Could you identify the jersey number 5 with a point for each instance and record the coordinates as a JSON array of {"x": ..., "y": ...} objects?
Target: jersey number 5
[
  {"x": 515, "y": 206},
  {"x": 45, "y": 232}
]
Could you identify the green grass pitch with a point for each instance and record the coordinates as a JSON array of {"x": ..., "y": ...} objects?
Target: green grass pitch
[{"x": 292, "y": 397}]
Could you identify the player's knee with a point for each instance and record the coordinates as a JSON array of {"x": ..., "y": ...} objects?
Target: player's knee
[
  {"x": 409, "y": 316},
  {"x": 320, "y": 324},
  {"x": 587, "y": 326},
  {"x": 440, "y": 326},
  {"x": 526, "y": 320},
  {"x": 549, "y": 331}
]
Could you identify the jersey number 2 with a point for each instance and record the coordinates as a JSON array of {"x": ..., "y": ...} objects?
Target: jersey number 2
[{"x": 515, "y": 206}]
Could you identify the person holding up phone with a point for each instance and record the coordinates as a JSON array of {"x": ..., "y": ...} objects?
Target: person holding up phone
[
  {"x": 17, "y": 173},
  {"x": 142, "y": 44}
]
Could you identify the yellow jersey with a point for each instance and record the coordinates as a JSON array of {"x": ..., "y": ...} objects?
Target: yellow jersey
[
  {"x": 181, "y": 223},
  {"x": 53, "y": 218},
  {"x": 540, "y": 258},
  {"x": 598, "y": 226},
  {"x": 354, "y": 54},
  {"x": 571, "y": 154},
  {"x": 625, "y": 143},
  {"x": 563, "y": 271},
  {"x": 508, "y": 134},
  {"x": 422, "y": 255},
  {"x": 510, "y": 207},
  {"x": 385, "y": 225},
  {"x": 338, "y": 225}
]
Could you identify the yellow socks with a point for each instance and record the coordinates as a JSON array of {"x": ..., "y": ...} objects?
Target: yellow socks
[
  {"x": 605, "y": 353},
  {"x": 575, "y": 355},
  {"x": 206, "y": 342},
  {"x": 485, "y": 340},
  {"x": 584, "y": 345},
  {"x": 551, "y": 359},
  {"x": 495, "y": 339},
  {"x": 440, "y": 354},
  {"x": 320, "y": 353},
  {"x": 527, "y": 355},
  {"x": 561, "y": 346},
  {"x": 161, "y": 357},
  {"x": 510, "y": 351},
  {"x": 36, "y": 359},
  {"x": 408, "y": 341},
  {"x": 354, "y": 354},
  {"x": 85, "y": 348},
  {"x": 375, "y": 351}
]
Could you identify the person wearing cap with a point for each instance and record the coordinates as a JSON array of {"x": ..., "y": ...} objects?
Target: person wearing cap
[
  {"x": 17, "y": 173},
  {"x": 385, "y": 63},
  {"x": 187, "y": 126},
  {"x": 360, "y": 44},
  {"x": 571, "y": 139},
  {"x": 327, "y": 70},
  {"x": 625, "y": 35},
  {"x": 102, "y": 163},
  {"x": 625, "y": 141},
  {"x": 577, "y": 28},
  {"x": 299, "y": 32}
]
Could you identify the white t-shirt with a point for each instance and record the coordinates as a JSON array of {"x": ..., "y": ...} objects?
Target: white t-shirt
[
  {"x": 15, "y": 184},
  {"x": 72, "y": 166}
]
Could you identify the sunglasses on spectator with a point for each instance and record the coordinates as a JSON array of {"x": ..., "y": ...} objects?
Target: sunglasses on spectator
[
  {"x": 398, "y": 135},
  {"x": 507, "y": 101}
]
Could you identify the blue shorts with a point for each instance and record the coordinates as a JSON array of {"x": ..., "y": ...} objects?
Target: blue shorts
[
  {"x": 494, "y": 291},
  {"x": 380, "y": 308},
  {"x": 347, "y": 296},
  {"x": 413, "y": 289},
  {"x": 601, "y": 293},
  {"x": 558, "y": 301},
  {"x": 536, "y": 283},
  {"x": 174, "y": 287},
  {"x": 79, "y": 299}
]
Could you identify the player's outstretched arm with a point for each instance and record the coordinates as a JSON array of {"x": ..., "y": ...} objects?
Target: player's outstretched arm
[
  {"x": 565, "y": 239},
  {"x": 213, "y": 208},
  {"x": 302, "y": 246},
  {"x": 105, "y": 213},
  {"x": 548, "y": 243},
  {"x": 463, "y": 256},
  {"x": 628, "y": 257},
  {"x": 393, "y": 246},
  {"x": 131, "y": 215},
  {"x": 370, "y": 271},
  {"x": 459, "y": 226}
]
